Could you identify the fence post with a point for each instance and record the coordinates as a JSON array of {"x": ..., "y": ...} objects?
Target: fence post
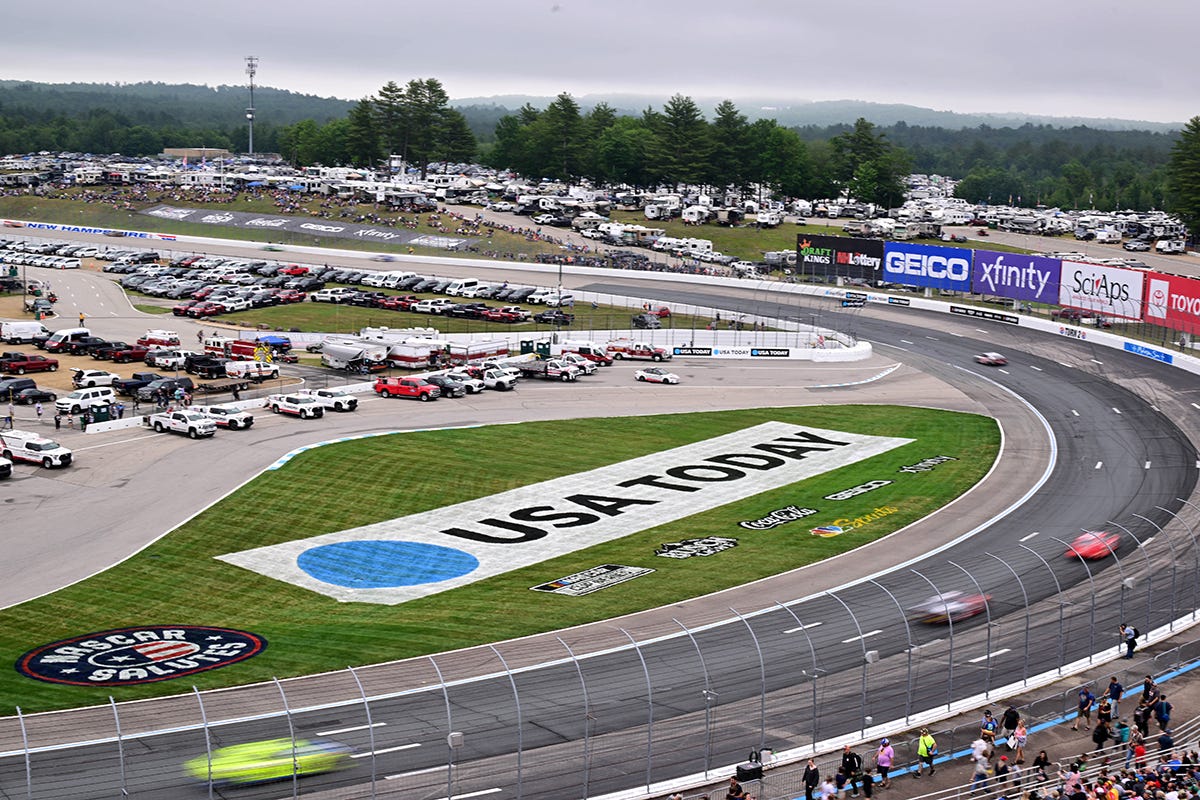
[
  {"x": 1092, "y": 609},
  {"x": 1025, "y": 595},
  {"x": 449, "y": 730},
  {"x": 987, "y": 609},
  {"x": 1058, "y": 592},
  {"x": 762, "y": 682},
  {"x": 120, "y": 745},
  {"x": 292, "y": 735},
  {"x": 1195, "y": 553},
  {"x": 370, "y": 725},
  {"x": 1174, "y": 563},
  {"x": 207, "y": 739},
  {"x": 813, "y": 678},
  {"x": 950, "y": 624},
  {"x": 709, "y": 694},
  {"x": 862, "y": 716},
  {"x": 908, "y": 651},
  {"x": 587, "y": 717},
  {"x": 649, "y": 706},
  {"x": 517, "y": 703},
  {"x": 1149, "y": 573},
  {"x": 25, "y": 747}
]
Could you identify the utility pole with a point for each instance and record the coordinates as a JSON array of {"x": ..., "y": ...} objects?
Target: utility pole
[{"x": 251, "y": 70}]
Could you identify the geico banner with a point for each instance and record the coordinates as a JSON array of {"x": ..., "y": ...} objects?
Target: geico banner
[
  {"x": 1173, "y": 302},
  {"x": 927, "y": 265},
  {"x": 421, "y": 554},
  {"x": 1016, "y": 275},
  {"x": 1103, "y": 290},
  {"x": 839, "y": 256}
]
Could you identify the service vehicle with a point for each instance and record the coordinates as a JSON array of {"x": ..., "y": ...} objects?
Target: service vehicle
[
  {"x": 470, "y": 384},
  {"x": 297, "y": 405},
  {"x": 951, "y": 606},
  {"x": 554, "y": 369},
  {"x": 257, "y": 371},
  {"x": 226, "y": 415},
  {"x": 59, "y": 340},
  {"x": 128, "y": 386},
  {"x": 33, "y": 448},
  {"x": 332, "y": 399},
  {"x": 84, "y": 378},
  {"x": 656, "y": 375},
  {"x": 185, "y": 421},
  {"x": 585, "y": 366},
  {"x": 628, "y": 348},
  {"x": 22, "y": 332},
  {"x": 272, "y": 760},
  {"x": 417, "y": 388},
  {"x": 1093, "y": 545},
  {"x": 991, "y": 359},
  {"x": 168, "y": 359},
  {"x": 28, "y": 363},
  {"x": 589, "y": 350},
  {"x": 159, "y": 338},
  {"x": 5, "y": 468},
  {"x": 448, "y": 386},
  {"x": 498, "y": 380}
]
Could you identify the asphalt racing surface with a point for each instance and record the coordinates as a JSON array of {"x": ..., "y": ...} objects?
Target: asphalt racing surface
[{"x": 624, "y": 717}]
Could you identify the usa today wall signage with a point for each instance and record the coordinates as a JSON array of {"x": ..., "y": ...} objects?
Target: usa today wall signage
[{"x": 422, "y": 554}]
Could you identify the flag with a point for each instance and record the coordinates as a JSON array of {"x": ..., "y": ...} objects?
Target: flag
[{"x": 185, "y": 162}]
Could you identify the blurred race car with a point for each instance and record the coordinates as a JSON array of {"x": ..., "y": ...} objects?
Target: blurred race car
[
  {"x": 1093, "y": 545},
  {"x": 991, "y": 359},
  {"x": 270, "y": 760},
  {"x": 656, "y": 375},
  {"x": 950, "y": 607}
]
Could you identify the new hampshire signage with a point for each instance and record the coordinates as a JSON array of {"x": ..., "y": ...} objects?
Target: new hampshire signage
[{"x": 422, "y": 554}]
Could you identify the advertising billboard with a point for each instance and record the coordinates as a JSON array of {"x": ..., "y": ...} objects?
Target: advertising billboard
[
  {"x": 1114, "y": 291},
  {"x": 839, "y": 256},
  {"x": 928, "y": 265},
  {"x": 1016, "y": 275},
  {"x": 1173, "y": 302}
]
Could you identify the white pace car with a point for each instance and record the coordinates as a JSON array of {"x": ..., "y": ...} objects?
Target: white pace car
[{"x": 656, "y": 375}]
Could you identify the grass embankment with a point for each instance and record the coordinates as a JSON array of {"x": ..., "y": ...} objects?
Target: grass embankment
[{"x": 178, "y": 580}]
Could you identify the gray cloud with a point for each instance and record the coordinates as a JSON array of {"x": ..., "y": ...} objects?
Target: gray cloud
[{"x": 1060, "y": 57}]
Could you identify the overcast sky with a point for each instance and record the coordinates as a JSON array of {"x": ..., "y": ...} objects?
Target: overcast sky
[{"x": 1095, "y": 58}]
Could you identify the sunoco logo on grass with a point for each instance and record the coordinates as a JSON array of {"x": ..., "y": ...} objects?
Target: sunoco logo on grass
[{"x": 128, "y": 656}]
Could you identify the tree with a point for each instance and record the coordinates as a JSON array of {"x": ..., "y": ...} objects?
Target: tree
[
  {"x": 1183, "y": 175},
  {"x": 454, "y": 140},
  {"x": 557, "y": 143},
  {"x": 683, "y": 141},
  {"x": 388, "y": 107},
  {"x": 623, "y": 152},
  {"x": 424, "y": 105},
  {"x": 868, "y": 167},
  {"x": 363, "y": 142},
  {"x": 730, "y": 137}
]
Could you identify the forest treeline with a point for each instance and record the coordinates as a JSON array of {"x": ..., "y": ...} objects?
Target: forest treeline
[{"x": 1075, "y": 167}]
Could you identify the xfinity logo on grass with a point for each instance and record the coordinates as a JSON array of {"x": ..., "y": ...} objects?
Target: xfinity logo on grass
[{"x": 422, "y": 554}]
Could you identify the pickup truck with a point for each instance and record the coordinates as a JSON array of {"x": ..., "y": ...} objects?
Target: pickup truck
[
  {"x": 168, "y": 385},
  {"x": 27, "y": 446},
  {"x": 128, "y": 386},
  {"x": 332, "y": 399},
  {"x": 511, "y": 314},
  {"x": 19, "y": 366},
  {"x": 498, "y": 380},
  {"x": 641, "y": 351},
  {"x": 553, "y": 370},
  {"x": 297, "y": 405},
  {"x": 226, "y": 416},
  {"x": 191, "y": 423},
  {"x": 582, "y": 363},
  {"x": 120, "y": 352},
  {"x": 167, "y": 359},
  {"x": 407, "y": 387}
]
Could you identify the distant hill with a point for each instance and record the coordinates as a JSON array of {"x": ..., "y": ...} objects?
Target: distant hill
[{"x": 829, "y": 112}]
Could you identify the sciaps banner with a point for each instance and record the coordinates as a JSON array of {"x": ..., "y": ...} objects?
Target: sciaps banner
[{"x": 1114, "y": 291}]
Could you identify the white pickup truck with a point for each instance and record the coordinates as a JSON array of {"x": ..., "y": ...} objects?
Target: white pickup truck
[
  {"x": 331, "y": 399},
  {"x": 33, "y": 448},
  {"x": 499, "y": 380},
  {"x": 192, "y": 423},
  {"x": 297, "y": 405}
]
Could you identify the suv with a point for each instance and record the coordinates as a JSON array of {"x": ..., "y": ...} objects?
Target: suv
[
  {"x": 650, "y": 321},
  {"x": 82, "y": 399}
]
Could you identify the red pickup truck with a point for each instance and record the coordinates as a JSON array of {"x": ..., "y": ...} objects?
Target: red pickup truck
[
  {"x": 407, "y": 387},
  {"x": 20, "y": 366}
]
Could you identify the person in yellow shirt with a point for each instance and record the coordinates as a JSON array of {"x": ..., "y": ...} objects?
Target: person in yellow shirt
[{"x": 926, "y": 750}]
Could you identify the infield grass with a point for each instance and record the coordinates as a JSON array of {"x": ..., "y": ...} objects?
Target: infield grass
[{"x": 178, "y": 580}]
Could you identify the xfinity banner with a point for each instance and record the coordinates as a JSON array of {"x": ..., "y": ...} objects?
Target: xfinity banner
[
  {"x": 304, "y": 226},
  {"x": 928, "y": 265},
  {"x": 1173, "y": 302},
  {"x": 1114, "y": 291},
  {"x": 1015, "y": 275},
  {"x": 839, "y": 256}
]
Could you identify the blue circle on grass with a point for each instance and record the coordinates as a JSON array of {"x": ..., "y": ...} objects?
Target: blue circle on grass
[{"x": 374, "y": 564}]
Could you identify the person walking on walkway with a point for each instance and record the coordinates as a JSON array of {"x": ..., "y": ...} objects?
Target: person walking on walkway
[
  {"x": 37, "y": 409},
  {"x": 852, "y": 764},
  {"x": 1129, "y": 636},
  {"x": 884, "y": 757},
  {"x": 1114, "y": 692},
  {"x": 812, "y": 779},
  {"x": 1086, "y": 701},
  {"x": 1020, "y": 738},
  {"x": 926, "y": 750}
]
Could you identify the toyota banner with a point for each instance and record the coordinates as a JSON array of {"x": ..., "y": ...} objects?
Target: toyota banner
[{"x": 1173, "y": 302}]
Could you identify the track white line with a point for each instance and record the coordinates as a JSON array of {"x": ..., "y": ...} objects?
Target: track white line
[
  {"x": 806, "y": 627},
  {"x": 985, "y": 657},
  {"x": 866, "y": 635},
  {"x": 336, "y": 731},
  {"x": 1099, "y": 464},
  {"x": 386, "y": 750},
  {"x": 1027, "y": 537}
]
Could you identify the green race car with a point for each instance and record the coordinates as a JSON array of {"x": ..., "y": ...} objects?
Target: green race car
[{"x": 270, "y": 760}]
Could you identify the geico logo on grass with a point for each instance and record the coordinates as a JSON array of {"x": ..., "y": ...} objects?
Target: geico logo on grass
[
  {"x": 1099, "y": 285},
  {"x": 855, "y": 491},
  {"x": 924, "y": 265},
  {"x": 312, "y": 226}
]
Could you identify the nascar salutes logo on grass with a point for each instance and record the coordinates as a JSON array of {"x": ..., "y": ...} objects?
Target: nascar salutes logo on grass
[
  {"x": 415, "y": 556},
  {"x": 128, "y": 656},
  {"x": 708, "y": 546},
  {"x": 926, "y": 465}
]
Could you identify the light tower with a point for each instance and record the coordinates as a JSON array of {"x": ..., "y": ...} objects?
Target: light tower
[{"x": 251, "y": 69}]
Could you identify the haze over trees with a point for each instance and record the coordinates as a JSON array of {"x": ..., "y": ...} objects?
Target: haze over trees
[{"x": 674, "y": 144}]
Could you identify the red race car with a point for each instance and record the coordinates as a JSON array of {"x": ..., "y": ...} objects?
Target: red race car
[
  {"x": 1093, "y": 545},
  {"x": 950, "y": 607},
  {"x": 991, "y": 359}
]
